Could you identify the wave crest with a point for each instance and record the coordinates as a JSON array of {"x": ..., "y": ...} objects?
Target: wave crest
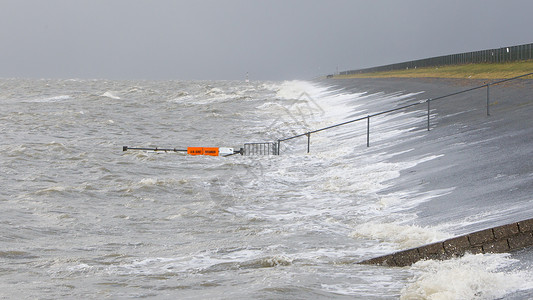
[{"x": 470, "y": 277}]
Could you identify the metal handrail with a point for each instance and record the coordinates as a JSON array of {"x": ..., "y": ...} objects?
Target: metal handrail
[{"x": 308, "y": 134}]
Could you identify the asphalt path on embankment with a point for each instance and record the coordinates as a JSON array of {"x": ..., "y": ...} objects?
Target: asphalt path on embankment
[{"x": 484, "y": 163}]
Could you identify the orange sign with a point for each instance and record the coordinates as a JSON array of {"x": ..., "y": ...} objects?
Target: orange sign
[
  {"x": 195, "y": 150},
  {"x": 202, "y": 151},
  {"x": 211, "y": 151}
]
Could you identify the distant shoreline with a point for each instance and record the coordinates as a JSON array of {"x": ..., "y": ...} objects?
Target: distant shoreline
[{"x": 467, "y": 71}]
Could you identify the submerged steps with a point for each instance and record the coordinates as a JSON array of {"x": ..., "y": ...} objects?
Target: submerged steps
[{"x": 501, "y": 239}]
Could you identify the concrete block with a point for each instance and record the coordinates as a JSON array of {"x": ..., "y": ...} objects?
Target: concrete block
[
  {"x": 499, "y": 246},
  {"x": 456, "y": 246},
  {"x": 505, "y": 231},
  {"x": 520, "y": 241},
  {"x": 526, "y": 226},
  {"x": 475, "y": 250},
  {"x": 495, "y": 240},
  {"x": 386, "y": 260},
  {"x": 432, "y": 251},
  {"x": 406, "y": 258},
  {"x": 481, "y": 237}
]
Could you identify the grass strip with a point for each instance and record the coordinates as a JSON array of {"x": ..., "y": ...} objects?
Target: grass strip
[{"x": 467, "y": 71}]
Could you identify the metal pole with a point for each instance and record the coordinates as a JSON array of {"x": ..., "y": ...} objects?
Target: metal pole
[
  {"x": 488, "y": 112},
  {"x": 429, "y": 100},
  {"x": 308, "y": 141},
  {"x": 368, "y": 131}
]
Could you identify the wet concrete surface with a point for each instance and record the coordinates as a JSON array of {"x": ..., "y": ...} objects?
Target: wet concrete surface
[{"x": 485, "y": 163}]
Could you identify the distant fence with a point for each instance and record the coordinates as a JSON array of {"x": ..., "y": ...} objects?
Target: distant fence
[{"x": 505, "y": 54}]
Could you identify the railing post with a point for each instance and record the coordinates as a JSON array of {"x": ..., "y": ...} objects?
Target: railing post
[
  {"x": 308, "y": 141},
  {"x": 368, "y": 131},
  {"x": 429, "y": 100},
  {"x": 488, "y": 112},
  {"x": 483, "y": 56}
]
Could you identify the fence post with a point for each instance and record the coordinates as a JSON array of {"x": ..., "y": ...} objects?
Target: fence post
[
  {"x": 308, "y": 141},
  {"x": 488, "y": 112},
  {"x": 368, "y": 131},
  {"x": 429, "y": 100},
  {"x": 279, "y": 144}
]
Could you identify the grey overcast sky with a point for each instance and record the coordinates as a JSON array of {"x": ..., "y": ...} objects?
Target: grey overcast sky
[{"x": 225, "y": 39}]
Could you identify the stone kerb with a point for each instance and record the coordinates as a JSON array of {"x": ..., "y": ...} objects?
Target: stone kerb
[{"x": 506, "y": 238}]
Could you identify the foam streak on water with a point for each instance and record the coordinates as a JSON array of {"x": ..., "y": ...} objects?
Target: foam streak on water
[{"x": 82, "y": 219}]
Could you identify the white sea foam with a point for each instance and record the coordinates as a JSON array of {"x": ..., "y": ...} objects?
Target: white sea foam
[
  {"x": 469, "y": 277},
  {"x": 50, "y": 99},
  {"x": 295, "y": 89},
  {"x": 111, "y": 95},
  {"x": 51, "y": 190},
  {"x": 404, "y": 236},
  {"x": 202, "y": 262},
  {"x": 150, "y": 182}
]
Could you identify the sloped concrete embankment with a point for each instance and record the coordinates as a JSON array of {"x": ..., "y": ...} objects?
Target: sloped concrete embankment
[{"x": 501, "y": 239}]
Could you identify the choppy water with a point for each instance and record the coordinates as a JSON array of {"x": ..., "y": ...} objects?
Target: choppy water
[{"x": 83, "y": 219}]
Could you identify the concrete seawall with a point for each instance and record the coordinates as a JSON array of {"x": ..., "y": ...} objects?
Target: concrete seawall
[
  {"x": 499, "y": 239},
  {"x": 482, "y": 171}
]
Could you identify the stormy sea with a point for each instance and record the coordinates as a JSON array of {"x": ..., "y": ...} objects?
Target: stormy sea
[{"x": 81, "y": 218}]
